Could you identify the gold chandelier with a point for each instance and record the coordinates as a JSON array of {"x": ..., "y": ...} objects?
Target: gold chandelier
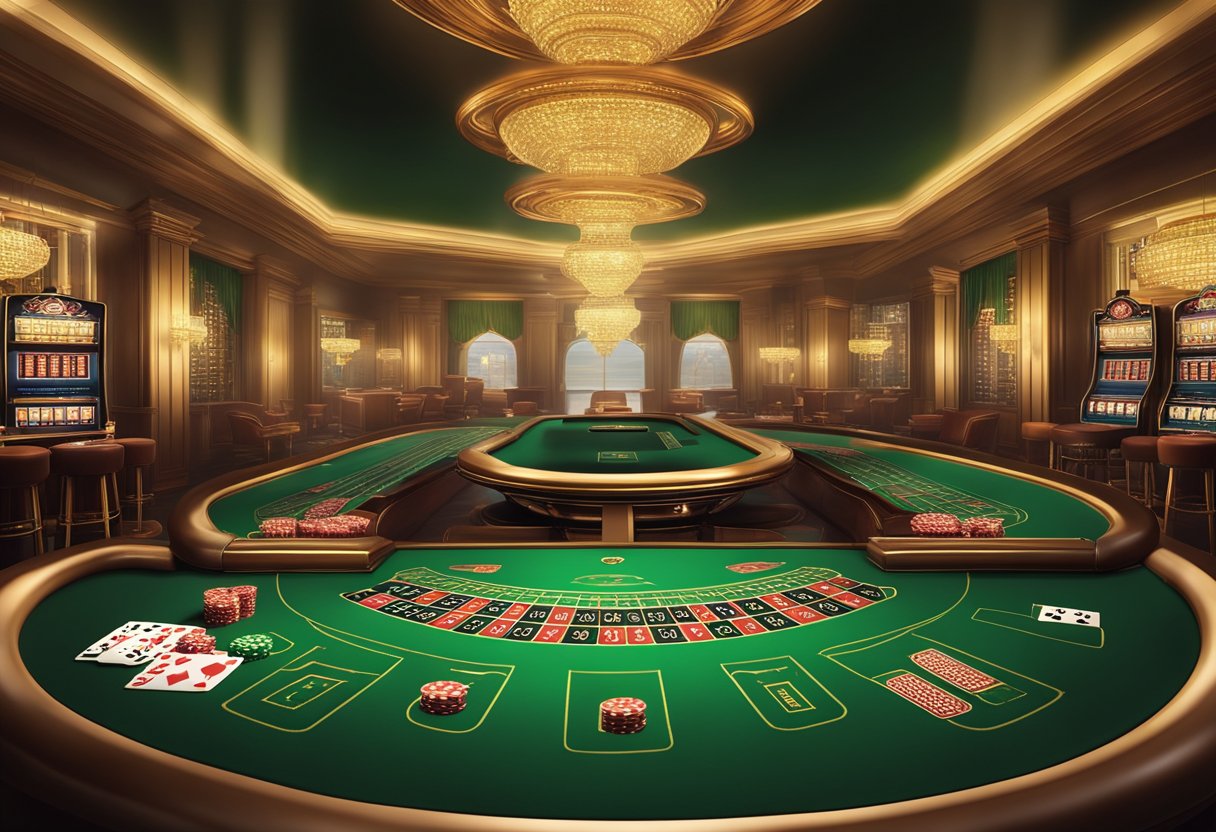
[
  {"x": 869, "y": 346},
  {"x": 777, "y": 355},
  {"x": 21, "y": 254},
  {"x": 1181, "y": 255},
  {"x": 341, "y": 348},
  {"x": 607, "y": 319},
  {"x": 605, "y": 261},
  {"x": 611, "y": 31}
]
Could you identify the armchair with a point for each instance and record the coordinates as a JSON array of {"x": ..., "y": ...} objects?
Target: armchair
[{"x": 248, "y": 430}]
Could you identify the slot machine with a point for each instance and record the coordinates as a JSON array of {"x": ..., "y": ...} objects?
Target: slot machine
[
  {"x": 1126, "y": 340},
  {"x": 1190, "y": 401},
  {"x": 53, "y": 382}
]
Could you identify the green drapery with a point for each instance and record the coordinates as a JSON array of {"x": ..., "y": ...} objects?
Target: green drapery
[
  {"x": 984, "y": 287},
  {"x": 469, "y": 318},
  {"x": 690, "y": 318},
  {"x": 228, "y": 289}
]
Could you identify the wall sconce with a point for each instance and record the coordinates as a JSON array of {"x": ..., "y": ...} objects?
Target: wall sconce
[
  {"x": 341, "y": 348},
  {"x": 188, "y": 329}
]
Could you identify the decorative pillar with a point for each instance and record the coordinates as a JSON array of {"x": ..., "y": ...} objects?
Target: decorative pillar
[
  {"x": 826, "y": 324},
  {"x": 537, "y": 359},
  {"x": 1043, "y": 318},
  {"x": 934, "y": 340},
  {"x": 269, "y": 318},
  {"x": 167, "y": 236},
  {"x": 754, "y": 332},
  {"x": 422, "y": 340},
  {"x": 654, "y": 336},
  {"x": 307, "y": 359}
]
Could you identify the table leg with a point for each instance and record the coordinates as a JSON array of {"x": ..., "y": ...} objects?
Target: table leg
[{"x": 617, "y": 522}]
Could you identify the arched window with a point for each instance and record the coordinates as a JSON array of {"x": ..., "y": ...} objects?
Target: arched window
[
  {"x": 588, "y": 371},
  {"x": 492, "y": 358},
  {"x": 705, "y": 364}
]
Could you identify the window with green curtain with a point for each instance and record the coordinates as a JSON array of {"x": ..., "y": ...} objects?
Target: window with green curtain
[
  {"x": 215, "y": 296},
  {"x": 469, "y": 318},
  {"x": 690, "y": 318},
  {"x": 984, "y": 287}
]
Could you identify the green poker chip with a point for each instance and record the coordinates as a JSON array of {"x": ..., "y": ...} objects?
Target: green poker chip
[{"x": 252, "y": 647}]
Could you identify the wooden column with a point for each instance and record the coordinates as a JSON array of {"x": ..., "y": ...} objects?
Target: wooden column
[
  {"x": 421, "y": 337},
  {"x": 537, "y": 357},
  {"x": 167, "y": 236},
  {"x": 268, "y": 337},
  {"x": 307, "y": 340},
  {"x": 826, "y": 324},
  {"x": 755, "y": 331},
  {"x": 1042, "y": 316},
  {"x": 654, "y": 335},
  {"x": 934, "y": 336}
]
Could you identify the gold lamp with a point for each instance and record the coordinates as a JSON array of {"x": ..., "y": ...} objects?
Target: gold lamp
[
  {"x": 611, "y": 31},
  {"x": 21, "y": 254},
  {"x": 1181, "y": 255}
]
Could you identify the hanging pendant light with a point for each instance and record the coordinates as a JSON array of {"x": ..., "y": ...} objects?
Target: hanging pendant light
[
  {"x": 21, "y": 254},
  {"x": 1181, "y": 255}
]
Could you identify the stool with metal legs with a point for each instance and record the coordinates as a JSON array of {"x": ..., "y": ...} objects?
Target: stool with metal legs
[
  {"x": 1086, "y": 445},
  {"x": 139, "y": 453},
  {"x": 1197, "y": 453},
  {"x": 1036, "y": 435},
  {"x": 25, "y": 469},
  {"x": 76, "y": 461},
  {"x": 1141, "y": 450}
]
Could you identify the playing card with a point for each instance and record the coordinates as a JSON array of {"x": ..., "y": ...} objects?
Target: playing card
[
  {"x": 1067, "y": 615},
  {"x": 185, "y": 672},
  {"x": 142, "y": 645},
  {"x": 117, "y": 636}
]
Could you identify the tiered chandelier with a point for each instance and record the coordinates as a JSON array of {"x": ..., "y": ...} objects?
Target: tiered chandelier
[
  {"x": 602, "y": 123},
  {"x": 1182, "y": 255},
  {"x": 21, "y": 254}
]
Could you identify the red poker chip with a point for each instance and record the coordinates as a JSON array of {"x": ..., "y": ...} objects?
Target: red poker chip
[
  {"x": 622, "y": 706},
  {"x": 444, "y": 690},
  {"x": 326, "y": 508},
  {"x": 278, "y": 527},
  {"x": 984, "y": 527},
  {"x": 936, "y": 524}
]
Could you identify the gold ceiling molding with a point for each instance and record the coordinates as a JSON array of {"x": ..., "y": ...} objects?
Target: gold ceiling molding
[
  {"x": 489, "y": 24},
  {"x": 538, "y": 94},
  {"x": 578, "y": 199}
]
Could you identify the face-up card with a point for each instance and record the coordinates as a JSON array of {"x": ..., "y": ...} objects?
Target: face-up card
[
  {"x": 117, "y": 636},
  {"x": 142, "y": 646},
  {"x": 1065, "y": 615},
  {"x": 186, "y": 672}
]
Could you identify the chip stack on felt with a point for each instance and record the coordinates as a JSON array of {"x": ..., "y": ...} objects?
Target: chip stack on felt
[
  {"x": 342, "y": 525},
  {"x": 443, "y": 698},
  {"x": 278, "y": 527},
  {"x": 228, "y": 604},
  {"x": 623, "y": 715},
  {"x": 326, "y": 508},
  {"x": 252, "y": 647},
  {"x": 936, "y": 525},
  {"x": 984, "y": 527},
  {"x": 198, "y": 642}
]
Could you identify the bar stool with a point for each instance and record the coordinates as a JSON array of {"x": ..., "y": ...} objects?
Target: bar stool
[
  {"x": 1087, "y": 446},
  {"x": 138, "y": 453},
  {"x": 1190, "y": 452},
  {"x": 98, "y": 460},
  {"x": 314, "y": 416},
  {"x": 1142, "y": 450},
  {"x": 25, "y": 468},
  {"x": 1035, "y": 435},
  {"x": 525, "y": 408}
]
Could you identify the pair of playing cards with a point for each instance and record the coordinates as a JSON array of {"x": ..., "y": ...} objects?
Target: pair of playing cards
[
  {"x": 135, "y": 643},
  {"x": 185, "y": 672},
  {"x": 1067, "y": 615}
]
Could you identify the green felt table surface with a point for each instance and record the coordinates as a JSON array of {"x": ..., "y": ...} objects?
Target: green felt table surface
[
  {"x": 786, "y": 721},
  {"x": 571, "y": 446},
  {"x": 924, "y": 483}
]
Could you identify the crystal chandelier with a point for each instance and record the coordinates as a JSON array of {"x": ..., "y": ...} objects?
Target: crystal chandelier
[
  {"x": 777, "y": 355},
  {"x": 603, "y": 134},
  {"x": 341, "y": 348},
  {"x": 1181, "y": 255},
  {"x": 189, "y": 329},
  {"x": 21, "y": 254},
  {"x": 607, "y": 319},
  {"x": 606, "y": 265},
  {"x": 611, "y": 31},
  {"x": 869, "y": 346}
]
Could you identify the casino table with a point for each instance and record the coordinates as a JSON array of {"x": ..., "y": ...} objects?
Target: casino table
[
  {"x": 887, "y": 683},
  {"x": 772, "y": 692}
]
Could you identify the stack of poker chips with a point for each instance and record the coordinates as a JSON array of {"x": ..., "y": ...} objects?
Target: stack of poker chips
[
  {"x": 228, "y": 604},
  {"x": 443, "y": 698},
  {"x": 623, "y": 715},
  {"x": 326, "y": 508},
  {"x": 342, "y": 525},
  {"x": 984, "y": 527},
  {"x": 252, "y": 647},
  {"x": 198, "y": 642},
  {"x": 936, "y": 525},
  {"x": 278, "y": 527}
]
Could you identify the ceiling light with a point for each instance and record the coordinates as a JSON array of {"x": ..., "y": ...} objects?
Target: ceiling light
[
  {"x": 607, "y": 319},
  {"x": 1181, "y": 255},
  {"x": 580, "y": 200},
  {"x": 777, "y": 355},
  {"x": 869, "y": 346},
  {"x": 611, "y": 31},
  {"x": 341, "y": 348},
  {"x": 605, "y": 266},
  {"x": 606, "y": 133},
  {"x": 21, "y": 254}
]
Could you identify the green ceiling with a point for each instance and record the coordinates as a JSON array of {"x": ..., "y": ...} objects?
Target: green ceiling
[{"x": 855, "y": 101}]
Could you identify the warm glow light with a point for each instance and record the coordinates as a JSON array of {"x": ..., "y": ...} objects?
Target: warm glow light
[
  {"x": 21, "y": 254},
  {"x": 777, "y": 355},
  {"x": 190, "y": 329},
  {"x": 605, "y": 320},
  {"x": 1181, "y": 255},
  {"x": 341, "y": 348},
  {"x": 1003, "y": 332},
  {"x": 604, "y": 261},
  {"x": 611, "y": 31},
  {"x": 606, "y": 133},
  {"x": 869, "y": 346}
]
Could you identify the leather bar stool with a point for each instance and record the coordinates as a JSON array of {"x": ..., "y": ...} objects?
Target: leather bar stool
[
  {"x": 138, "y": 453},
  {"x": 1036, "y": 435},
  {"x": 77, "y": 461},
  {"x": 314, "y": 417},
  {"x": 1141, "y": 450},
  {"x": 1190, "y": 452},
  {"x": 25, "y": 469},
  {"x": 1087, "y": 446}
]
